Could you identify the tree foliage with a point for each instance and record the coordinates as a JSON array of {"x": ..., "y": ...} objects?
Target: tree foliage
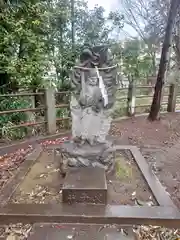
[
  {"x": 36, "y": 39},
  {"x": 133, "y": 58},
  {"x": 39, "y": 42},
  {"x": 22, "y": 43}
]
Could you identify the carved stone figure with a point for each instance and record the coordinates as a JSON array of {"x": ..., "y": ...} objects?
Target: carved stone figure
[{"x": 94, "y": 84}]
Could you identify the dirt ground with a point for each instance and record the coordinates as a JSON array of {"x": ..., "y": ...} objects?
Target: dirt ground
[
  {"x": 159, "y": 143},
  {"x": 43, "y": 184},
  {"x": 127, "y": 185}
]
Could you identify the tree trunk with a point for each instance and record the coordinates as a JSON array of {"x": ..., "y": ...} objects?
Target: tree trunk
[
  {"x": 153, "y": 63},
  {"x": 72, "y": 24},
  {"x": 177, "y": 44},
  {"x": 156, "y": 103}
]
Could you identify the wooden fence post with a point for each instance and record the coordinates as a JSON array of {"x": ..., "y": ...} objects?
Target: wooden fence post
[
  {"x": 131, "y": 101},
  {"x": 50, "y": 110},
  {"x": 173, "y": 89}
]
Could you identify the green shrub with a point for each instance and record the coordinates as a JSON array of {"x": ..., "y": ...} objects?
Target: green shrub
[{"x": 8, "y": 121}]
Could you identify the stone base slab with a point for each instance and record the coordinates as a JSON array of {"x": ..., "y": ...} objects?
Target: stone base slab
[{"x": 62, "y": 231}]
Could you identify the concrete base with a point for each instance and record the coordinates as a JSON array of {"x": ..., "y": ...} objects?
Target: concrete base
[
  {"x": 85, "y": 185},
  {"x": 79, "y": 232}
]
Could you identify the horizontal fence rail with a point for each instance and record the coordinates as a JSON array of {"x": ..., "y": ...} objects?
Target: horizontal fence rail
[
  {"x": 27, "y": 124},
  {"x": 22, "y": 110},
  {"x": 128, "y": 101},
  {"x": 21, "y": 94}
]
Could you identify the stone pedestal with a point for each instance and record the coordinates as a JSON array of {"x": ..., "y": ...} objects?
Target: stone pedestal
[
  {"x": 85, "y": 185},
  {"x": 101, "y": 155}
]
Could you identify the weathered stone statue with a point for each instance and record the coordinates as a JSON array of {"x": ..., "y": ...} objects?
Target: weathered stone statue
[{"x": 94, "y": 84}]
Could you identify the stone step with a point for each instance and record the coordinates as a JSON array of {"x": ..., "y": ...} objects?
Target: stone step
[
  {"x": 79, "y": 232},
  {"x": 85, "y": 185}
]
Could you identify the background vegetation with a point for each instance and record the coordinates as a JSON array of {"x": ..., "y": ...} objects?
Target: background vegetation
[{"x": 41, "y": 39}]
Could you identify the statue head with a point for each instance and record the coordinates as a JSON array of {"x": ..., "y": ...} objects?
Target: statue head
[
  {"x": 86, "y": 54},
  {"x": 102, "y": 51},
  {"x": 96, "y": 56}
]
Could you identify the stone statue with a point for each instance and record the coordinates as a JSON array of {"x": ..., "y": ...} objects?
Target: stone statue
[
  {"x": 94, "y": 84},
  {"x": 88, "y": 104}
]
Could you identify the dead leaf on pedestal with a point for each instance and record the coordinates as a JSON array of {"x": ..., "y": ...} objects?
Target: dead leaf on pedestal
[
  {"x": 49, "y": 166},
  {"x": 42, "y": 175},
  {"x": 143, "y": 203}
]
